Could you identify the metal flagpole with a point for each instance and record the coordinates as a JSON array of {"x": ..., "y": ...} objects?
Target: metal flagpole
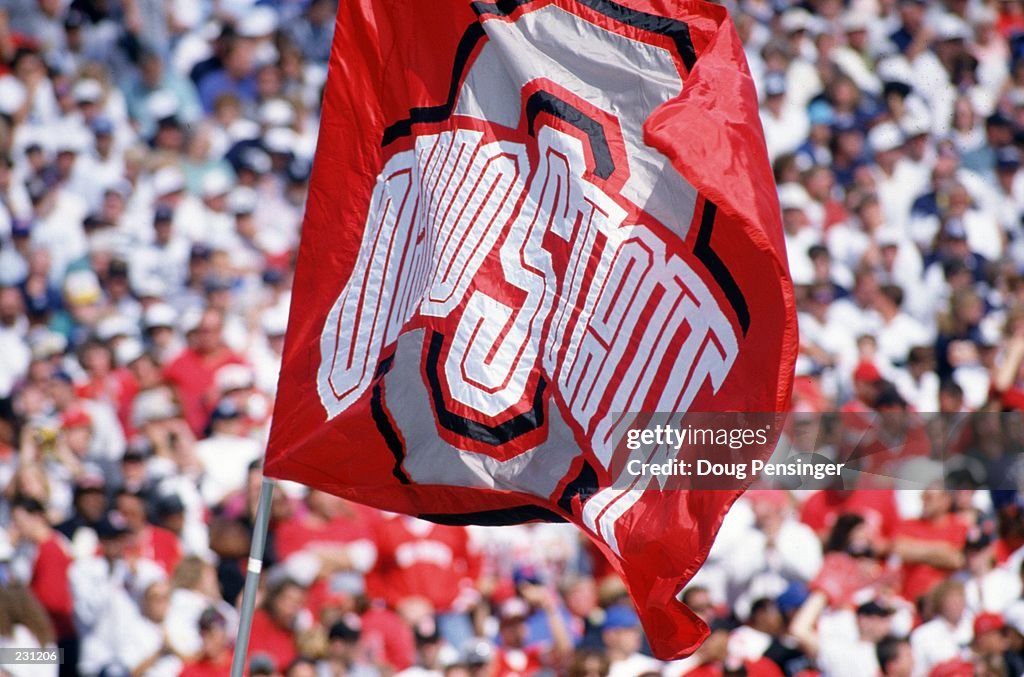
[{"x": 252, "y": 578}]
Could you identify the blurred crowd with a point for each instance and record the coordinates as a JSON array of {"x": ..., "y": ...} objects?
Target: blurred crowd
[{"x": 154, "y": 162}]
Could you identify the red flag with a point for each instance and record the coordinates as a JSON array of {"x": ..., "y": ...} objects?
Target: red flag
[{"x": 525, "y": 218}]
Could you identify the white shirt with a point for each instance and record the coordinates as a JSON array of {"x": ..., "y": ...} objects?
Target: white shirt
[
  {"x": 994, "y": 591},
  {"x": 104, "y": 610},
  {"x": 637, "y": 664},
  {"x": 755, "y": 571},
  {"x": 845, "y": 658},
  {"x": 226, "y": 460},
  {"x": 937, "y": 641}
]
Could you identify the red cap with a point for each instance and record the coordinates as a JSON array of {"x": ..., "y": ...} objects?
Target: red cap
[
  {"x": 988, "y": 622},
  {"x": 866, "y": 371},
  {"x": 75, "y": 417}
]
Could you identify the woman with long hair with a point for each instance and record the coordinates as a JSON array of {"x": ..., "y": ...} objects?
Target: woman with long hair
[{"x": 24, "y": 624}]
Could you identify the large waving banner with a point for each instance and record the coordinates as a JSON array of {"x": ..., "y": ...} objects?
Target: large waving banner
[{"x": 526, "y": 220}]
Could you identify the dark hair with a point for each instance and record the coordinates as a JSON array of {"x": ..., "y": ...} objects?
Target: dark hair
[
  {"x": 759, "y": 605},
  {"x": 276, "y": 589},
  {"x": 839, "y": 538},
  {"x": 887, "y": 651},
  {"x": 892, "y": 292},
  {"x": 28, "y": 504}
]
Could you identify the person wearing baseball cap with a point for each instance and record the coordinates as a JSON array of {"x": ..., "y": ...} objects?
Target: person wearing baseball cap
[
  {"x": 214, "y": 658},
  {"x": 623, "y": 637}
]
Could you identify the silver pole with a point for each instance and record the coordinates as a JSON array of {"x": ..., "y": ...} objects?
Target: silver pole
[{"x": 252, "y": 578}]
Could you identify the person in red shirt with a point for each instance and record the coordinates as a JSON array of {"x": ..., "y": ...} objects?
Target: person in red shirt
[
  {"x": 931, "y": 547},
  {"x": 517, "y": 656},
  {"x": 105, "y": 383},
  {"x": 898, "y": 436},
  {"x": 49, "y": 581},
  {"x": 876, "y": 506},
  {"x": 214, "y": 659},
  {"x": 193, "y": 371},
  {"x": 275, "y": 623},
  {"x": 144, "y": 539},
  {"x": 423, "y": 567}
]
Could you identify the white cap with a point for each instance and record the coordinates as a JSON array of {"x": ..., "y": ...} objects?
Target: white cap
[
  {"x": 167, "y": 180},
  {"x": 155, "y": 404},
  {"x": 916, "y": 125},
  {"x": 82, "y": 286},
  {"x": 856, "y": 20},
  {"x": 895, "y": 69},
  {"x": 793, "y": 196},
  {"x": 115, "y": 325},
  {"x": 233, "y": 377},
  {"x": 46, "y": 343},
  {"x": 162, "y": 104},
  {"x": 274, "y": 321},
  {"x": 885, "y": 137},
  {"x": 277, "y": 113},
  {"x": 12, "y": 94},
  {"x": 243, "y": 130},
  {"x": 258, "y": 22},
  {"x": 280, "y": 140},
  {"x": 302, "y": 567},
  {"x": 73, "y": 139},
  {"x": 216, "y": 183},
  {"x": 795, "y": 20},
  {"x": 159, "y": 315},
  {"x": 150, "y": 286},
  {"x": 951, "y": 27},
  {"x": 888, "y": 237},
  {"x": 87, "y": 91},
  {"x": 242, "y": 200},
  {"x": 190, "y": 319},
  {"x": 128, "y": 351}
]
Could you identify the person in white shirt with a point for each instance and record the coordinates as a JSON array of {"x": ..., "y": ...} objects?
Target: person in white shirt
[
  {"x": 839, "y": 654},
  {"x": 622, "y": 638},
  {"x": 144, "y": 647},
  {"x": 988, "y": 588},
  {"x": 800, "y": 235},
  {"x": 785, "y": 125},
  {"x": 899, "y": 332},
  {"x": 942, "y": 638},
  {"x": 777, "y": 550},
  {"x": 226, "y": 454},
  {"x": 103, "y": 607}
]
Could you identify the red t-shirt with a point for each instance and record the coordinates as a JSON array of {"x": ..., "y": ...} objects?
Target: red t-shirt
[
  {"x": 192, "y": 375},
  {"x": 208, "y": 668},
  {"x": 267, "y": 638},
  {"x": 876, "y": 506},
  {"x": 294, "y": 535},
  {"x": 50, "y": 583},
  {"x": 387, "y": 639},
  {"x": 434, "y": 564},
  {"x": 118, "y": 389},
  {"x": 157, "y": 544},
  {"x": 918, "y": 578},
  {"x": 518, "y": 662}
]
